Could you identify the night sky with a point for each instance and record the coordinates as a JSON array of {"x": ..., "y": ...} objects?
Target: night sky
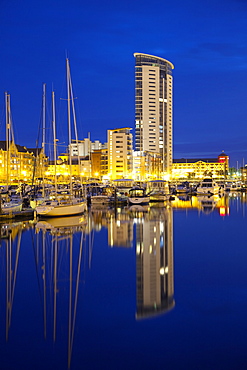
[{"x": 205, "y": 40}]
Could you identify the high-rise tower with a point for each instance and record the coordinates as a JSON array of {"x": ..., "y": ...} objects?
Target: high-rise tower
[{"x": 153, "y": 106}]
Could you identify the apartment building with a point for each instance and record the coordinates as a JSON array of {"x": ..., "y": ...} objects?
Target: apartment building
[
  {"x": 197, "y": 168},
  {"x": 120, "y": 163},
  {"x": 18, "y": 163},
  {"x": 154, "y": 107}
]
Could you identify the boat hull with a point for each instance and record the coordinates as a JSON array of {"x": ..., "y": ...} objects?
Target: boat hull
[
  {"x": 157, "y": 197},
  {"x": 212, "y": 190},
  {"x": 139, "y": 200},
  {"x": 10, "y": 208},
  {"x": 51, "y": 210},
  {"x": 100, "y": 199}
]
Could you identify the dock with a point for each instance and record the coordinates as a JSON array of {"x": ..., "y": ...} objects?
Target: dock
[{"x": 21, "y": 215}]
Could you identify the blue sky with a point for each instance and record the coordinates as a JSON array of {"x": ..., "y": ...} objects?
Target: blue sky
[{"x": 205, "y": 40}]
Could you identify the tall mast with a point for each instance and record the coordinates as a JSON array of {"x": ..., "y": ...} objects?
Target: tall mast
[
  {"x": 7, "y": 106},
  {"x": 54, "y": 137},
  {"x": 69, "y": 120},
  {"x": 43, "y": 134},
  {"x": 43, "y": 120}
]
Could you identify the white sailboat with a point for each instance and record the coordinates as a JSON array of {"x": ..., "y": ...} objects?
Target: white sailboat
[
  {"x": 67, "y": 204},
  {"x": 8, "y": 205}
]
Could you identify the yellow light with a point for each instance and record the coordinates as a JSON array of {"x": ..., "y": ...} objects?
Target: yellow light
[{"x": 162, "y": 271}]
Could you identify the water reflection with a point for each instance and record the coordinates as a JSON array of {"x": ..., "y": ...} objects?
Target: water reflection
[
  {"x": 154, "y": 262},
  {"x": 59, "y": 262},
  {"x": 203, "y": 203},
  {"x": 63, "y": 250},
  {"x": 153, "y": 229},
  {"x": 10, "y": 244}
]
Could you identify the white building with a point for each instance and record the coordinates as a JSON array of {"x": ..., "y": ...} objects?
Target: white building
[
  {"x": 153, "y": 106},
  {"x": 83, "y": 148}
]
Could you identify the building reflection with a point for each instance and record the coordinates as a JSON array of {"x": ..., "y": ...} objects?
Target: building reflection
[
  {"x": 118, "y": 223},
  {"x": 154, "y": 263},
  {"x": 203, "y": 203},
  {"x": 153, "y": 229}
]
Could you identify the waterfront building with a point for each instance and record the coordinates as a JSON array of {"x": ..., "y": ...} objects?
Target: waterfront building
[
  {"x": 120, "y": 161},
  {"x": 83, "y": 148},
  {"x": 198, "y": 168},
  {"x": 146, "y": 165},
  {"x": 21, "y": 164},
  {"x": 79, "y": 169},
  {"x": 243, "y": 171},
  {"x": 154, "y": 107},
  {"x": 90, "y": 157},
  {"x": 104, "y": 163},
  {"x": 96, "y": 162}
]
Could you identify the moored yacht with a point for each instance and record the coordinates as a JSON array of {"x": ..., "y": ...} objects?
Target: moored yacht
[
  {"x": 138, "y": 195},
  {"x": 105, "y": 195},
  {"x": 61, "y": 207},
  {"x": 158, "y": 190},
  {"x": 208, "y": 186}
]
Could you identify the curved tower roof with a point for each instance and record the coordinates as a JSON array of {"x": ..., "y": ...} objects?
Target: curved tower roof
[{"x": 154, "y": 57}]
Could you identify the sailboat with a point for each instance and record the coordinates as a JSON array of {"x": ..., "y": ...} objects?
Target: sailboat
[
  {"x": 66, "y": 204},
  {"x": 8, "y": 206}
]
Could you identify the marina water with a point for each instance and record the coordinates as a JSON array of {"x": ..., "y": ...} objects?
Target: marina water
[{"x": 148, "y": 288}]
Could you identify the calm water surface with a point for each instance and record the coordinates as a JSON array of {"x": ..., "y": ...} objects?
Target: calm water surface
[{"x": 156, "y": 288}]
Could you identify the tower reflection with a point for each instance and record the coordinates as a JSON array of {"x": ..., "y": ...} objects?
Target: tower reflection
[
  {"x": 150, "y": 230},
  {"x": 154, "y": 262}
]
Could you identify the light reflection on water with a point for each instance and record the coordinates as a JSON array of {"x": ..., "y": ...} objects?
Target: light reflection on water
[{"x": 145, "y": 282}]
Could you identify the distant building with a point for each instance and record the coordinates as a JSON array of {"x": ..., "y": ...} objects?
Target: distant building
[
  {"x": 96, "y": 161},
  {"x": 243, "y": 171},
  {"x": 83, "y": 148},
  {"x": 120, "y": 161},
  {"x": 146, "y": 165},
  {"x": 63, "y": 170},
  {"x": 18, "y": 163},
  {"x": 154, "y": 107},
  {"x": 198, "y": 168}
]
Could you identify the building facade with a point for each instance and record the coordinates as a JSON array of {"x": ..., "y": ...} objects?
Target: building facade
[
  {"x": 120, "y": 161},
  {"x": 197, "y": 168},
  {"x": 146, "y": 165},
  {"x": 154, "y": 107},
  {"x": 18, "y": 163},
  {"x": 84, "y": 148}
]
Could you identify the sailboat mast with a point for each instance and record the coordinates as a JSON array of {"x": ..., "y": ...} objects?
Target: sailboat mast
[
  {"x": 43, "y": 135},
  {"x": 43, "y": 120},
  {"x": 69, "y": 120},
  {"x": 54, "y": 138},
  {"x": 7, "y": 106}
]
